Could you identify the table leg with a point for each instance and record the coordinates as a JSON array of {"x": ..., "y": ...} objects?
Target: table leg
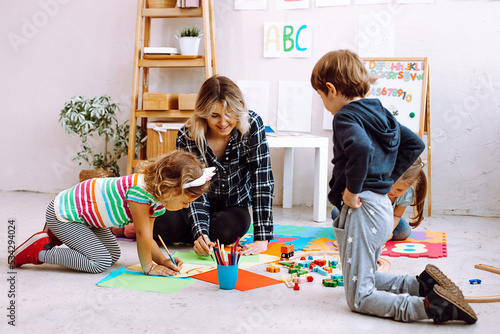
[
  {"x": 288, "y": 178},
  {"x": 320, "y": 183}
]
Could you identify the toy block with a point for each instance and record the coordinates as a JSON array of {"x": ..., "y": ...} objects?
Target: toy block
[
  {"x": 475, "y": 281},
  {"x": 321, "y": 271},
  {"x": 302, "y": 272},
  {"x": 300, "y": 279},
  {"x": 328, "y": 269},
  {"x": 296, "y": 286},
  {"x": 305, "y": 264},
  {"x": 336, "y": 276},
  {"x": 340, "y": 282},
  {"x": 289, "y": 284},
  {"x": 328, "y": 282},
  {"x": 273, "y": 269},
  {"x": 310, "y": 278},
  {"x": 320, "y": 262},
  {"x": 312, "y": 266},
  {"x": 310, "y": 258}
]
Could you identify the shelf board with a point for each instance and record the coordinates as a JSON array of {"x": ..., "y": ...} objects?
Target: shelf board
[
  {"x": 172, "y": 12},
  {"x": 173, "y": 61},
  {"x": 164, "y": 113}
]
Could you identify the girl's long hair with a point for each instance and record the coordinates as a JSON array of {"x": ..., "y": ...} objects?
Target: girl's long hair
[{"x": 415, "y": 177}]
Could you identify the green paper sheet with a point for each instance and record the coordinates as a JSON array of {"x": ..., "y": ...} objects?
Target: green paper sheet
[{"x": 122, "y": 279}]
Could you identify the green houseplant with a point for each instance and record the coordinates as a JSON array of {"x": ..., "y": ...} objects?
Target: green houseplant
[
  {"x": 189, "y": 40},
  {"x": 94, "y": 120}
]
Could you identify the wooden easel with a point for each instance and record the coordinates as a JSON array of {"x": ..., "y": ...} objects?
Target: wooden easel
[{"x": 420, "y": 123}]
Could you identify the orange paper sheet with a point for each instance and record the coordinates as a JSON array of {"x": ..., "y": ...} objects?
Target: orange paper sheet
[{"x": 246, "y": 279}]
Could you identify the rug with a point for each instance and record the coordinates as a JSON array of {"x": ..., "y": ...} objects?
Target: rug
[{"x": 312, "y": 238}]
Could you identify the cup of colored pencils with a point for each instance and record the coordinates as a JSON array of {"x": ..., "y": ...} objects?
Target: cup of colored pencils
[{"x": 227, "y": 265}]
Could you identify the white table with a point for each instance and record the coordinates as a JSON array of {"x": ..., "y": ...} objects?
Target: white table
[{"x": 320, "y": 144}]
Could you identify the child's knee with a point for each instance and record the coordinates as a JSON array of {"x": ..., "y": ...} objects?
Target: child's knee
[
  {"x": 100, "y": 265},
  {"x": 115, "y": 255}
]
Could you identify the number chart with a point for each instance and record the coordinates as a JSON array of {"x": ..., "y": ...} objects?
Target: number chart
[{"x": 402, "y": 87}]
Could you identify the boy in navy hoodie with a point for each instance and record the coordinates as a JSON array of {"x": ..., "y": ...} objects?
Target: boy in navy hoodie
[{"x": 371, "y": 151}]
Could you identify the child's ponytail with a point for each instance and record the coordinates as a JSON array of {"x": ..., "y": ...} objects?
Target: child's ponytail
[{"x": 420, "y": 187}]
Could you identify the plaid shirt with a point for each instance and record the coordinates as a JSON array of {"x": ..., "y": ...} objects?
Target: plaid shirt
[{"x": 243, "y": 179}]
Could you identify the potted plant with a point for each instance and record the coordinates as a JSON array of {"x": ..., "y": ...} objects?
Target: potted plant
[
  {"x": 189, "y": 40},
  {"x": 94, "y": 119}
]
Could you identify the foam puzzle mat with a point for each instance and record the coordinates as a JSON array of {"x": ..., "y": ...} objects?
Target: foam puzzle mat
[{"x": 312, "y": 238}]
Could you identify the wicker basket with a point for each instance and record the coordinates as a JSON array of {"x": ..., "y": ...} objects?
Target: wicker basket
[
  {"x": 87, "y": 174},
  {"x": 161, "y": 3}
]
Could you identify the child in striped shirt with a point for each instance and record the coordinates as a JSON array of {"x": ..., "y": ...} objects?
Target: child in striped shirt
[{"x": 80, "y": 217}]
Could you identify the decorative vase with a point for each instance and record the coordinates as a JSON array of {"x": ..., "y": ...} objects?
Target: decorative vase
[{"x": 189, "y": 45}]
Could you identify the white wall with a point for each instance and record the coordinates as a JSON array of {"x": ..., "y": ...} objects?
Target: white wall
[{"x": 55, "y": 49}]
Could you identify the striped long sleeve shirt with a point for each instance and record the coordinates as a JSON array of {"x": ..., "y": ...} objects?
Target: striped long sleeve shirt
[{"x": 103, "y": 202}]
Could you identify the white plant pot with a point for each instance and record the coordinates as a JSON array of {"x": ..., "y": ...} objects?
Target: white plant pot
[{"x": 189, "y": 45}]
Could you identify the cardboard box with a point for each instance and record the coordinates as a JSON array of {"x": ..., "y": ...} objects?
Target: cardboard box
[
  {"x": 161, "y": 138},
  {"x": 160, "y": 101},
  {"x": 187, "y": 101}
]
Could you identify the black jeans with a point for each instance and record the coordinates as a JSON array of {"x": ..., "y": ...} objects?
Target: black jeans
[{"x": 226, "y": 225}]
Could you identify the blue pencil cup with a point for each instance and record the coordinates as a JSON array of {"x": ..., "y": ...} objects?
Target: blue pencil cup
[{"x": 227, "y": 276}]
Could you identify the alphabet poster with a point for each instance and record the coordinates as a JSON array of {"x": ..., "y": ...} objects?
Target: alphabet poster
[
  {"x": 294, "y": 106},
  {"x": 401, "y": 87},
  {"x": 285, "y": 39}
]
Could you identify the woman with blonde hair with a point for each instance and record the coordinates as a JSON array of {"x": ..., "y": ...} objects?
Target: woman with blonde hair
[{"x": 225, "y": 135}]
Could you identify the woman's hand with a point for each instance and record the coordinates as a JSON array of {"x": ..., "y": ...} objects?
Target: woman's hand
[
  {"x": 203, "y": 245},
  {"x": 255, "y": 247},
  {"x": 351, "y": 200}
]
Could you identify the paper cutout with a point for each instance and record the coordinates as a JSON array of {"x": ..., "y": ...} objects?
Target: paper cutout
[
  {"x": 129, "y": 280},
  {"x": 246, "y": 279},
  {"x": 256, "y": 94},
  {"x": 294, "y": 106},
  {"x": 187, "y": 269}
]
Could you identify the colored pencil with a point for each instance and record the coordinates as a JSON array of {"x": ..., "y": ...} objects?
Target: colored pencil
[{"x": 164, "y": 246}]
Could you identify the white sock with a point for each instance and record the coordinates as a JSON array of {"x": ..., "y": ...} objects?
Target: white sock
[{"x": 41, "y": 255}]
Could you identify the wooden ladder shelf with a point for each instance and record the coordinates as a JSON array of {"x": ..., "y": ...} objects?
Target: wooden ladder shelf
[{"x": 145, "y": 62}]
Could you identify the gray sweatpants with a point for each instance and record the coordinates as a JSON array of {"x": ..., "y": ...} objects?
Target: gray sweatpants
[{"x": 361, "y": 235}]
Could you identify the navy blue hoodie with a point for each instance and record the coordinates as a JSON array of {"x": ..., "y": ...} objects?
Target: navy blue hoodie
[{"x": 371, "y": 149}]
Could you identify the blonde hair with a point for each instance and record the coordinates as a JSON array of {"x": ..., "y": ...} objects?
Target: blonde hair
[
  {"x": 165, "y": 177},
  {"x": 345, "y": 70},
  {"x": 415, "y": 177},
  {"x": 217, "y": 89}
]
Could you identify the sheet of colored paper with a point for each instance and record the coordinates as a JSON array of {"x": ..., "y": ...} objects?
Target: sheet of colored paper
[
  {"x": 187, "y": 270},
  {"x": 123, "y": 279},
  {"x": 246, "y": 279}
]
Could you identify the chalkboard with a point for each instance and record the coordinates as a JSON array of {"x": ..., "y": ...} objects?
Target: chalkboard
[{"x": 402, "y": 87}]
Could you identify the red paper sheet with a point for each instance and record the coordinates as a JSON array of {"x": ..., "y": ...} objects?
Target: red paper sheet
[{"x": 246, "y": 279}]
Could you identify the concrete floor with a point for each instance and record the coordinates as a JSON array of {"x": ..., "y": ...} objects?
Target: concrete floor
[{"x": 52, "y": 298}]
